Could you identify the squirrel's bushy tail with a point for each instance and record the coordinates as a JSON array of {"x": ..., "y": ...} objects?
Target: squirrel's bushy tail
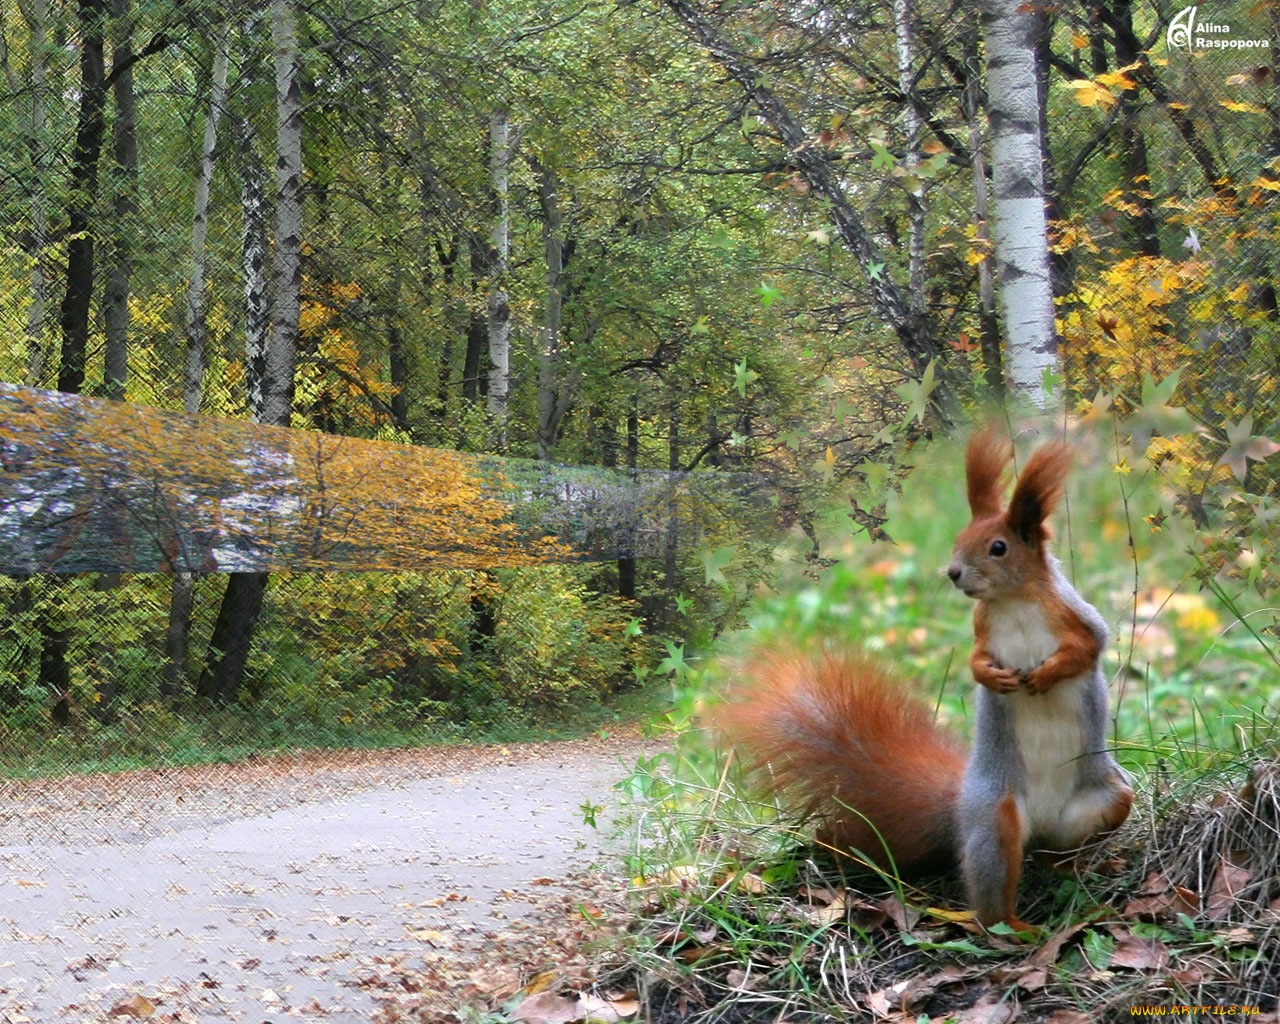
[{"x": 828, "y": 732}]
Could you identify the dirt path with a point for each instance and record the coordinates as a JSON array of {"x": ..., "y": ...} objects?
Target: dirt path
[{"x": 331, "y": 887}]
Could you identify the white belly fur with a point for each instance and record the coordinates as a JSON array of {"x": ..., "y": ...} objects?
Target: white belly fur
[{"x": 1047, "y": 725}]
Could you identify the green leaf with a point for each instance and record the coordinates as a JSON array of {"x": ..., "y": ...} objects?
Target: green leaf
[
  {"x": 875, "y": 270},
  {"x": 1098, "y": 947},
  {"x": 683, "y": 604},
  {"x": 791, "y": 437},
  {"x": 674, "y": 662},
  {"x": 877, "y": 473},
  {"x": 768, "y": 294},
  {"x": 916, "y": 394},
  {"x": 714, "y": 562},
  {"x": 742, "y": 377},
  {"x": 881, "y": 158},
  {"x": 634, "y": 628}
]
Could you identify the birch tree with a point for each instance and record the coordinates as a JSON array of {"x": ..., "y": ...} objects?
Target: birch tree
[
  {"x": 906, "y": 84},
  {"x": 197, "y": 332},
  {"x": 1010, "y": 30},
  {"x": 988, "y": 320},
  {"x": 197, "y": 329},
  {"x": 500, "y": 146},
  {"x": 282, "y": 348},
  {"x": 37, "y": 19},
  {"x": 253, "y": 263},
  {"x": 234, "y": 628}
]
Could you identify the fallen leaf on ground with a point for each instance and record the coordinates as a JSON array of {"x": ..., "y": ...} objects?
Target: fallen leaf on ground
[
  {"x": 546, "y": 1008},
  {"x": 134, "y": 1006}
]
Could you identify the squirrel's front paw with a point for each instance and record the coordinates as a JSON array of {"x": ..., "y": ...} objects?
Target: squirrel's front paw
[
  {"x": 1040, "y": 679},
  {"x": 995, "y": 678}
]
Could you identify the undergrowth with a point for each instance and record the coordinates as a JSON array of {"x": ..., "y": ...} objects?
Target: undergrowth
[{"x": 220, "y": 734}]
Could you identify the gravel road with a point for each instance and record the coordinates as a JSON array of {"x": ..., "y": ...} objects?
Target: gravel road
[{"x": 284, "y": 888}]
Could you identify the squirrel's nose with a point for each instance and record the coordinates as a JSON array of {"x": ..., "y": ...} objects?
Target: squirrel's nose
[{"x": 954, "y": 572}]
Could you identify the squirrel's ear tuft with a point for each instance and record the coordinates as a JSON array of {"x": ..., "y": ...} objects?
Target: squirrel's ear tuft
[
  {"x": 984, "y": 461},
  {"x": 1039, "y": 490}
]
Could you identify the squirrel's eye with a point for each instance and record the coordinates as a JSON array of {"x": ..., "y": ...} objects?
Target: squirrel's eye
[{"x": 998, "y": 548}]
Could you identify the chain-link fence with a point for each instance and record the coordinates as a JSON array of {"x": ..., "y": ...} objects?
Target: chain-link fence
[
  {"x": 136, "y": 223},
  {"x": 136, "y": 199},
  {"x": 651, "y": 223}
]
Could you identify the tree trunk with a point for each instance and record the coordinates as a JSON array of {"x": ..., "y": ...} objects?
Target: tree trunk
[
  {"x": 1021, "y": 230},
  {"x": 177, "y": 635},
  {"x": 627, "y": 564},
  {"x": 197, "y": 326},
  {"x": 253, "y": 259},
  {"x": 55, "y": 640},
  {"x": 115, "y": 371},
  {"x": 37, "y": 355},
  {"x": 287, "y": 261},
  {"x": 671, "y": 545},
  {"x": 917, "y": 300},
  {"x": 555, "y": 396},
  {"x": 232, "y": 637},
  {"x": 988, "y": 321},
  {"x": 1144, "y": 229},
  {"x": 475, "y": 384},
  {"x": 397, "y": 368},
  {"x": 448, "y": 258},
  {"x": 499, "y": 306},
  {"x": 229, "y": 646},
  {"x": 178, "y": 631},
  {"x": 90, "y": 127}
]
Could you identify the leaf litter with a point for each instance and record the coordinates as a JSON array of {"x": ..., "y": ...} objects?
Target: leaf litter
[{"x": 169, "y": 920}]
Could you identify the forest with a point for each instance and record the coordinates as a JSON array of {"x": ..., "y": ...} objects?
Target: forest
[{"x": 700, "y": 238}]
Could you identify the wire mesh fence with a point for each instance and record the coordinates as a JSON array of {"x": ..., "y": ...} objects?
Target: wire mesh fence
[
  {"x": 678, "y": 301},
  {"x": 137, "y": 154}
]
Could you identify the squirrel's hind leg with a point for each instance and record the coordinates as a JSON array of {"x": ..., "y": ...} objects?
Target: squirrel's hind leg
[
  {"x": 1094, "y": 812},
  {"x": 991, "y": 862}
]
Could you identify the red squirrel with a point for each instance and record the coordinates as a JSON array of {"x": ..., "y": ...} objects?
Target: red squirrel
[{"x": 840, "y": 736}]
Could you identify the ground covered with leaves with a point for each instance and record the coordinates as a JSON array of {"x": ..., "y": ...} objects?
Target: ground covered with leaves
[
  {"x": 1180, "y": 911},
  {"x": 341, "y": 886}
]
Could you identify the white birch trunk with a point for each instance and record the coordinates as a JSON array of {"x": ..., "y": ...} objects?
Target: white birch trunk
[
  {"x": 282, "y": 346},
  {"x": 257, "y": 306},
  {"x": 989, "y": 325},
  {"x": 499, "y": 306},
  {"x": 916, "y": 298},
  {"x": 197, "y": 326},
  {"x": 37, "y": 346},
  {"x": 1010, "y": 30}
]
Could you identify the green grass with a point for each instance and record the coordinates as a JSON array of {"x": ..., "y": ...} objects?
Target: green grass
[
  {"x": 1189, "y": 678},
  {"x": 164, "y": 736}
]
